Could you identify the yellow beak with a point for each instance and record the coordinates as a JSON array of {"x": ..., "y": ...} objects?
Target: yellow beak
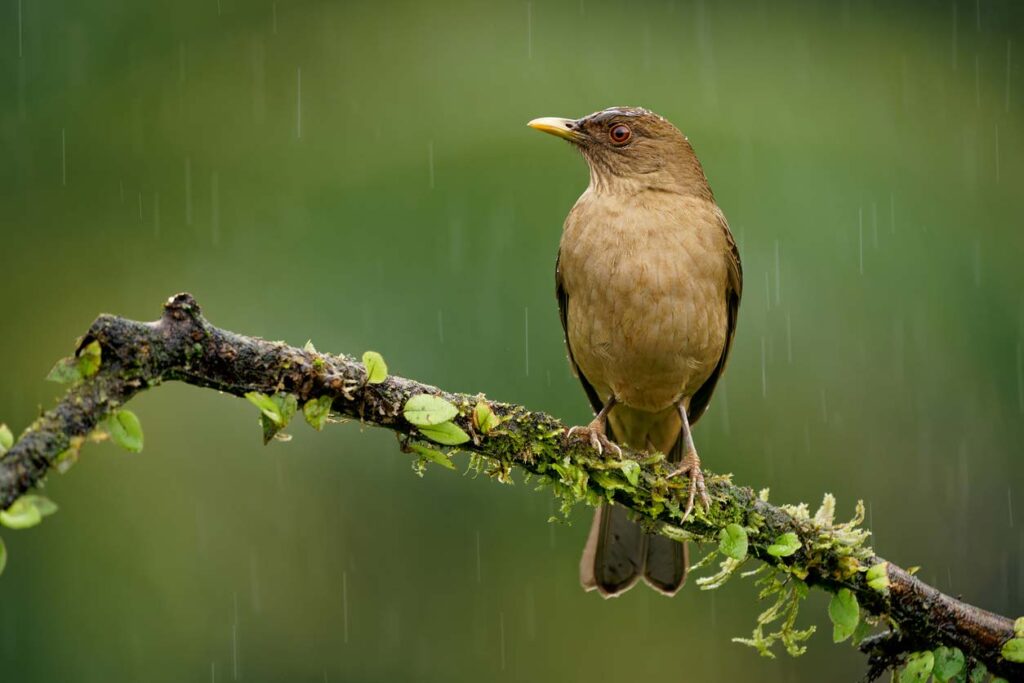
[{"x": 563, "y": 128}]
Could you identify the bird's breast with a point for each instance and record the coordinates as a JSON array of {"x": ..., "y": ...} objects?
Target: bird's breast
[{"x": 646, "y": 287}]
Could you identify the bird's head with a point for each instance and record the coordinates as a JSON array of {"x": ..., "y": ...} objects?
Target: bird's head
[{"x": 627, "y": 147}]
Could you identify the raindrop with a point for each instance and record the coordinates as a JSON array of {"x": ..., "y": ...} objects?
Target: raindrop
[
  {"x": 789, "y": 338},
  {"x": 156, "y": 214},
  {"x": 63, "y": 159},
  {"x": 977, "y": 15},
  {"x": 501, "y": 627},
  {"x": 726, "y": 425},
  {"x": 218, "y": 8},
  {"x": 860, "y": 237},
  {"x": 215, "y": 207},
  {"x": 344, "y": 606},
  {"x": 778, "y": 275},
  {"x": 531, "y": 614},
  {"x": 997, "y": 152},
  {"x": 20, "y": 53},
  {"x": 254, "y": 585},
  {"x": 892, "y": 213},
  {"x": 1009, "y": 44},
  {"x": 767, "y": 292},
  {"x": 298, "y": 102},
  {"x": 181, "y": 63},
  {"x": 977, "y": 83},
  {"x": 188, "y": 190},
  {"x": 273, "y": 22},
  {"x": 954, "y": 35},
  {"x": 430, "y": 162},
  {"x": 440, "y": 326},
  {"x": 120, "y": 187},
  {"x": 140, "y": 207},
  {"x": 551, "y": 524},
  {"x": 529, "y": 30},
  {"x": 977, "y": 263},
  {"x": 824, "y": 407},
  {"x": 874, "y": 224},
  {"x": 1020, "y": 376},
  {"x": 526, "y": 338},
  {"x": 479, "y": 571},
  {"x": 234, "y": 643},
  {"x": 213, "y": 672},
  {"x": 1009, "y": 505},
  {"x": 764, "y": 371}
]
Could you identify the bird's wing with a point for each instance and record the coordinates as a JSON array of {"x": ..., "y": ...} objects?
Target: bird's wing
[
  {"x": 733, "y": 292},
  {"x": 563, "y": 314}
]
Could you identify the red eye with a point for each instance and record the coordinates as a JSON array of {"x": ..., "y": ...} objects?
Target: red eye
[{"x": 620, "y": 133}]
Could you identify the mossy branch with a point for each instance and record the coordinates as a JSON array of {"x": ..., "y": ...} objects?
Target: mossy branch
[{"x": 118, "y": 358}]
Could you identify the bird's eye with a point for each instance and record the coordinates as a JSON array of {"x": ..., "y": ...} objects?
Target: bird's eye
[{"x": 620, "y": 134}]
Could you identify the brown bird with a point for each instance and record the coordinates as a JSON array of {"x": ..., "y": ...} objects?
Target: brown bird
[{"x": 648, "y": 280}]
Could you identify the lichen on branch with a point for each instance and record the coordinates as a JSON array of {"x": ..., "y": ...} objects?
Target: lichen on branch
[{"x": 118, "y": 358}]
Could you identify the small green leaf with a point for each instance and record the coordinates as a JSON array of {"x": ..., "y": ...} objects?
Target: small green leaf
[
  {"x": 3, "y": 556},
  {"x": 285, "y": 406},
  {"x": 949, "y": 662},
  {"x": 27, "y": 511},
  {"x": 64, "y": 371},
  {"x": 424, "y": 410},
  {"x": 316, "y": 411},
  {"x": 978, "y": 673},
  {"x": 918, "y": 668},
  {"x": 732, "y": 541},
  {"x": 785, "y": 545},
  {"x": 631, "y": 469},
  {"x": 844, "y": 612},
  {"x": 434, "y": 456},
  {"x": 447, "y": 433},
  {"x": 861, "y": 632},
  {"x": 878, "y": 577},
  {"x": 1018, "y": 625},
  {"x": 89, "y": 358},
  {"x": 125, "y": 430},
  {"x": 1013, "y": 650},
  {"x": 6, "y": 439},
  {"x": 266, "y": 405},
  {"x": 485, "y": 419},
  {"x": 376, "y": 368}
]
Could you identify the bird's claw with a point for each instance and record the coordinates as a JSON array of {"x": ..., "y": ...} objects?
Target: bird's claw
[
  {"x": 690, "y": 466},
  {"x": 595, "y": 435}
]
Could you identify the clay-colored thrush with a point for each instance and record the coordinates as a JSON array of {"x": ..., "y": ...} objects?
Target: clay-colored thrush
[{"x": 648, "y": 281}]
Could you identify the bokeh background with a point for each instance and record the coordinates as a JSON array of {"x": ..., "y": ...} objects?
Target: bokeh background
[{"x": 360, "y": 174}]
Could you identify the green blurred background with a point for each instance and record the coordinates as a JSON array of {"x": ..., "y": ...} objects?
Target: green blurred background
[{"x": 361, "y": 174}]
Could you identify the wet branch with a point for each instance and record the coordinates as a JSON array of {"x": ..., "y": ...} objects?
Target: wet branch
[{"x": 183, "y": 346}]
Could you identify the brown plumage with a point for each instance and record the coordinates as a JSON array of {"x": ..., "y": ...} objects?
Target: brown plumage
[{"x": 648, "y": 281}]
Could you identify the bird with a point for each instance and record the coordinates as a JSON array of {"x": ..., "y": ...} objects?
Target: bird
[{"x": 648, "y": 281}]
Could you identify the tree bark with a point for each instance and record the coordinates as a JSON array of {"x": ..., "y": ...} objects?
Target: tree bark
[{"x": 183, "y": 346}]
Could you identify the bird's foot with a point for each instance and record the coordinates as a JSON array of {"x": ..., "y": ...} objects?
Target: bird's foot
[
  {"x": 690, "y": 466},
  {"x": 595, "y": 434}
]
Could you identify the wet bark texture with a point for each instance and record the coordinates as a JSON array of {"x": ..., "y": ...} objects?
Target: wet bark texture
[{"x": 183, "y": 346}]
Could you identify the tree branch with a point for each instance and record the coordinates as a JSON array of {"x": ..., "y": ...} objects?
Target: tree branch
[{"x": 183, "y": 346}]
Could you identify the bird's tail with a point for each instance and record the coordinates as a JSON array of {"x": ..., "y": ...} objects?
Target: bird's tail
[{"x": 619, "y": 552}]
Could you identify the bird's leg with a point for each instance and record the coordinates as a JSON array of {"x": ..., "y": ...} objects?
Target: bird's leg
[
  {"x": 596, "y": 431},
  {"x": 690, "y": 466}
]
